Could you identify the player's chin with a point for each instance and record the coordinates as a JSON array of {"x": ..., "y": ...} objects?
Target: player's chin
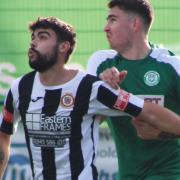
[
  {"x": 32, "y": 58},
  {"x": 111, "y": 44},
  {"x": 32, "y": 62}
]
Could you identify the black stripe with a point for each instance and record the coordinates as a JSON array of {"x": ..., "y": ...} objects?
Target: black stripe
[
  {"x": 51, "y": 104},
  {"x": 80, "y": 109},
  {"x": 94, "y": 169},
  {"x": 7, "y": 127},
  {"x": 25, "y": 90},
  {"x": 106, "y": 97},
  {"x": 9, "y": 102},
  {"x": 133, "y": 110}
]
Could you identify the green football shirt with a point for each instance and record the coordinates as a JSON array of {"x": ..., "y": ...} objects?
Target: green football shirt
[{"x": 155, "y": 78}]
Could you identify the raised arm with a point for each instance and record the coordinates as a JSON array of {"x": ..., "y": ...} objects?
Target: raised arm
[{"x": 4, "y": 152}]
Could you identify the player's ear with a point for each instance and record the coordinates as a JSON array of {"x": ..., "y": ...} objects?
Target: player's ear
[
  {"x": 64, "y": 46},
  {"x": 136, "y": 23}
]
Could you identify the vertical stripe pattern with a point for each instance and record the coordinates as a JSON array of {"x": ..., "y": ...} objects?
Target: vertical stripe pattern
[
  {"x": 94, "y": 169},
  {"x": 51, "y": 104},
  {"x": 60, "y": 133},
  {"x": 25, "y": 90},
  {"x": 80, "y": 108}
]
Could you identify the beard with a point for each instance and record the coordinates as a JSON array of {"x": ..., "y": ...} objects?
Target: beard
[{"x": 43, "y": 62}]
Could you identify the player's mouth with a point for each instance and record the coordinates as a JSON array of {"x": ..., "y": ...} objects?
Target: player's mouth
[
  {"x": 31, "y": 52},
  {"x": 108, "y": 37}
]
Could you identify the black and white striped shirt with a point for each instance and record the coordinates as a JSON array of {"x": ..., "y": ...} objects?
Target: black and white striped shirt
[{"x": 60, "y": 123}]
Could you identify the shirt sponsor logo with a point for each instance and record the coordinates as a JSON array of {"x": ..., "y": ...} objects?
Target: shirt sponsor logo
[
  {"x": 157, "y": 99},
  {"x": 151, "y": 78},
  {"x": 67, "y": 100},
  {"x": 55, "y": 123},
  {"x": 48, "y": 131}
]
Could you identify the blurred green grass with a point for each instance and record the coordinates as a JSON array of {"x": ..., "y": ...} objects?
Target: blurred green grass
[{"x": 88, "y": 17}]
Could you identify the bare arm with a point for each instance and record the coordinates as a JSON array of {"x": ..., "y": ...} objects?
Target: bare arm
[
  {"x": 145, "y": 130},
  {"x": 4, "y": 152},
  {"x": 162, "y": 118}
]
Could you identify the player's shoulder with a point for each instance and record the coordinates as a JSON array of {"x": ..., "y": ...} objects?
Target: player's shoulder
[
  {"x": 16, "y": 82},
  {"x": 104, "y": 54},
  {"x": 160, "y": 51},
  {"x": 87, "y": 76},
  {"x": 167, "y": 57},
  {"x": 97, "y": 58}
]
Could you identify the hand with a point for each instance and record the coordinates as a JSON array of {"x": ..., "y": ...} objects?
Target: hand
[
  {"x": 145, "y": 131},
  {"x": 113, "y": 77}
]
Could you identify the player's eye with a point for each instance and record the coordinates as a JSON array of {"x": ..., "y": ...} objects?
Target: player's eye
[
  {"x": 42, "y": 37},
  {"x": 112, "y": 19}
]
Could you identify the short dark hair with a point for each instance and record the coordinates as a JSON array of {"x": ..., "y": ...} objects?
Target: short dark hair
[
  {"x": 63, "y": 30},
  {"x": 141, "y": 7}
]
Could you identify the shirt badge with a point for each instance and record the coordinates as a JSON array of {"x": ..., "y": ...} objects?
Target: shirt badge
[
  {"x": 67, "y": 100},
  {"x": 151, "y": 78}
]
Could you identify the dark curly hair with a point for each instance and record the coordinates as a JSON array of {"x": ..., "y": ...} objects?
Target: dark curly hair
[{"x": 63, "y": 30}]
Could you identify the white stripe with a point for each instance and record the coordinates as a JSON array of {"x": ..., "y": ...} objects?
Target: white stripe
[
  {"x": 36, "y": 157},
  {"x": 162, "y": 55},
  {"x": 136, "y": 101},
  {"x": 97, "y": 58}
]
